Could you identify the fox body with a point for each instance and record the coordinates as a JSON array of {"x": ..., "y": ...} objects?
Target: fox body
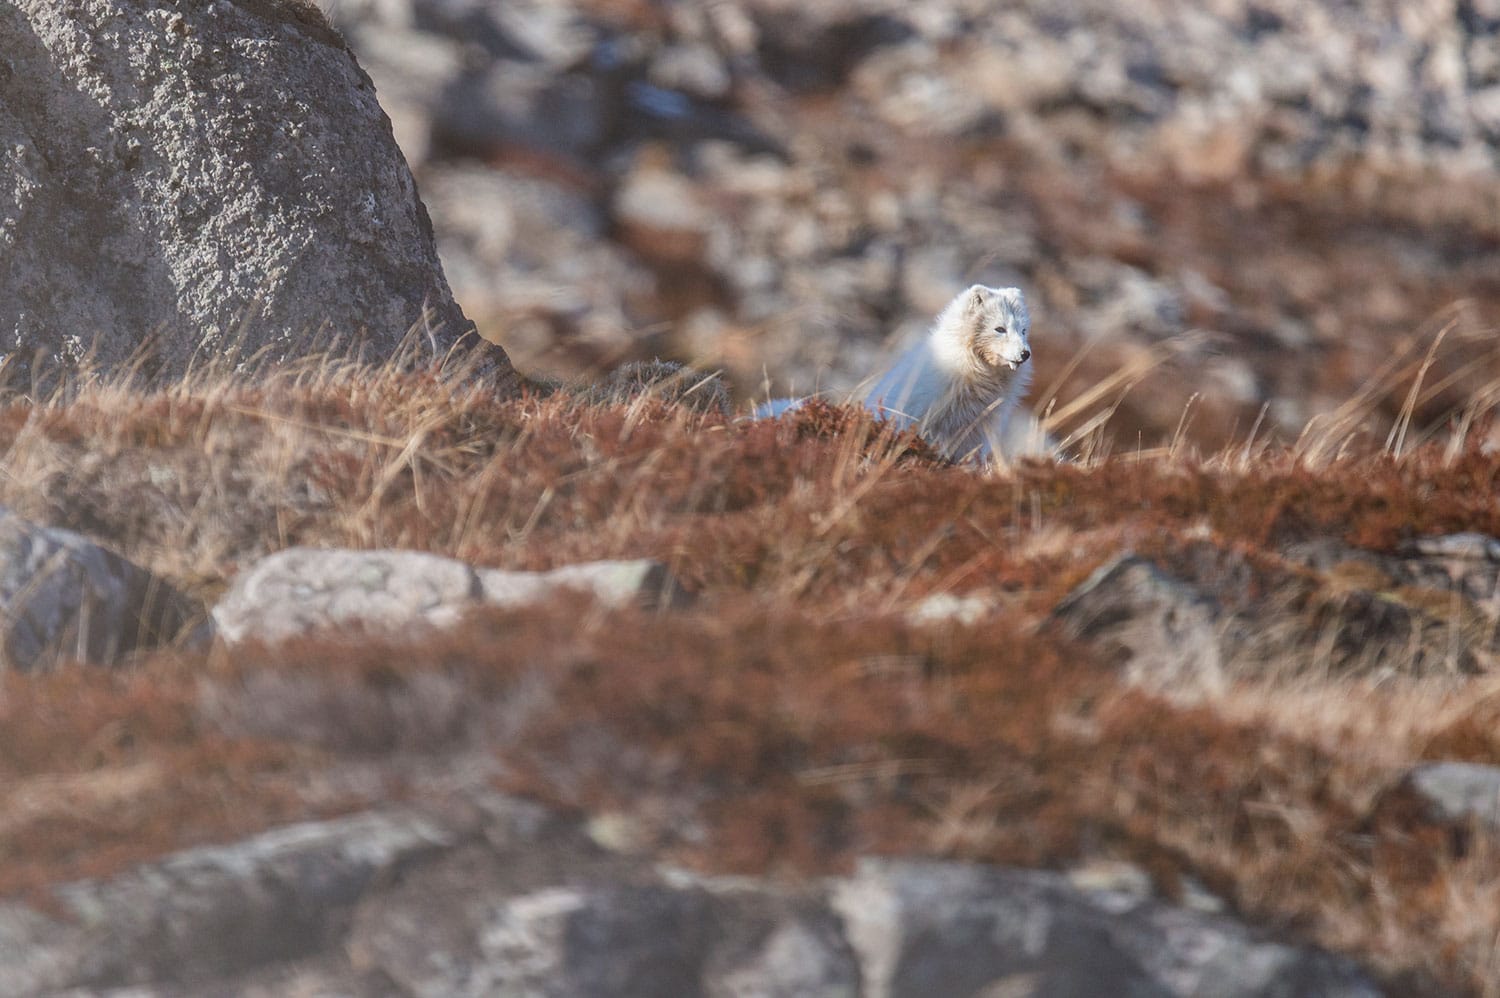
[{"x": 959, "y": 386}]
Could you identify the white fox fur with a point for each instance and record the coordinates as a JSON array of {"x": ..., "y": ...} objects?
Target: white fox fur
[{"x": 960, "y": 385}]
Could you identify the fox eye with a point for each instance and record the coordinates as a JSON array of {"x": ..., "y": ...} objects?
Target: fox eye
[{"x": 1000, "y": 330}]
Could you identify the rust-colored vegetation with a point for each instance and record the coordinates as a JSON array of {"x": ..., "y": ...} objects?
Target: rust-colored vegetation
[{"x": 793, "y": 716}]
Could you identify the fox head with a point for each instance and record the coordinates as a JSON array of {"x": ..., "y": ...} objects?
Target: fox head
[{"x": 995, "y": 327}]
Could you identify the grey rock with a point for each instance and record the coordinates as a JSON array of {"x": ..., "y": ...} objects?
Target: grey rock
[
  {"x": 1163, "y": 633},
  {"x": 612, "y": 583},
  {"x": 560, "y": 941},
  {"x": 1118, "y": 298},
  {"x": 694, "y": 68},
  {"x": 527, "y": 105},
  {"x": 782, "y": 950},
  {"x": 305, "y": 590},
  {"x": 207, "y": 913},
  {"x": 1466, "y": 547},
  {"x": 64, "y": 597},
  {"x": 1432, "y": 608},
  {"x": 475, "y": 76},
  {"x": 660, "y": 202},
  {"x": 1330, "y": 610},
  {"x": 302, "y": 590},
  {"x": 613, "y": 937},
  {"x": 501, "y": 898},
  {"x": 935, "y": 928},
  {"x": 216, "y": 179},
  {"x": 1458, "y": 791},
  {"x": 38, "y": 954},
  {"x": 1466, "y": 564}
]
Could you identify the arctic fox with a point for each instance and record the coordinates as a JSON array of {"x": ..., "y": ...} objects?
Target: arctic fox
[{"x": 959, "y": 386}]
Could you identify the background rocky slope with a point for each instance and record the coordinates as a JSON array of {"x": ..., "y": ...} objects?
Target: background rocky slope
[{"x": 1249, "y": 205}]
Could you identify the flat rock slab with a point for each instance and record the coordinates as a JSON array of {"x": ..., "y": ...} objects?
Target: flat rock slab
[
  {"x": 210, "y": 912},
  {"x": 943, "y": 928},
  {"x": 64, "y": 597},
  {"x": 215, "y": 176},
  {"x": 519, "y": 904},
  {"x": 305, "y": 590},
  {"x": 618, "y": 939}
]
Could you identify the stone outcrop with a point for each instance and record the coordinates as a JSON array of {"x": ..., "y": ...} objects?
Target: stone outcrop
[
  {"x": 210, "y": 911},
  {"x": 1188, "y": 620},
  {"x": 930, "y": 928},
  {"x": 63, "y": 597},
  {"x": 1162, "y": 632},
  {"x": 216, "y": 179},
  {"x": 306, "y": 590},
  {"x": 514, "y": 900}
]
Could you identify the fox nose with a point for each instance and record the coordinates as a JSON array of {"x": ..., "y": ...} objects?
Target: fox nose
[{"x": 1025, "y": 355}]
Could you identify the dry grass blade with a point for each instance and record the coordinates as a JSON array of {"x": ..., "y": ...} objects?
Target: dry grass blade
[
  {"x": 1114, "y": 386},
  {"x": 1396, "y": 439}
]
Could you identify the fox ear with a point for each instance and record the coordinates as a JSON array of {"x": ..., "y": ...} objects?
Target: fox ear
[{"x": 976, "y": 298}]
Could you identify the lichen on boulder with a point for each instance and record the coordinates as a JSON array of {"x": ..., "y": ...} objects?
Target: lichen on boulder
[{"x": 203, "y": 182}]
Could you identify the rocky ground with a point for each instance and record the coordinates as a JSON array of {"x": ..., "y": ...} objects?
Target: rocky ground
[
  {"x": 1263, "y": 206},
  {"x": 1238, "y": 710},
  {"x": 397, "y": 675}
]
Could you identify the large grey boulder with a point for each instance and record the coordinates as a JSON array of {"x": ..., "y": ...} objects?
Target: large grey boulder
[
  {"x": 64, "y": 597},
  {"x": 217, "y": 177},
  {"x": 939, "y": 928},
  {"x": 211, "y": 911},
  {"x": 618, "y": 939},
  {"x": 504, "y": 898},
  {"x": 306, "y": 590}
]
